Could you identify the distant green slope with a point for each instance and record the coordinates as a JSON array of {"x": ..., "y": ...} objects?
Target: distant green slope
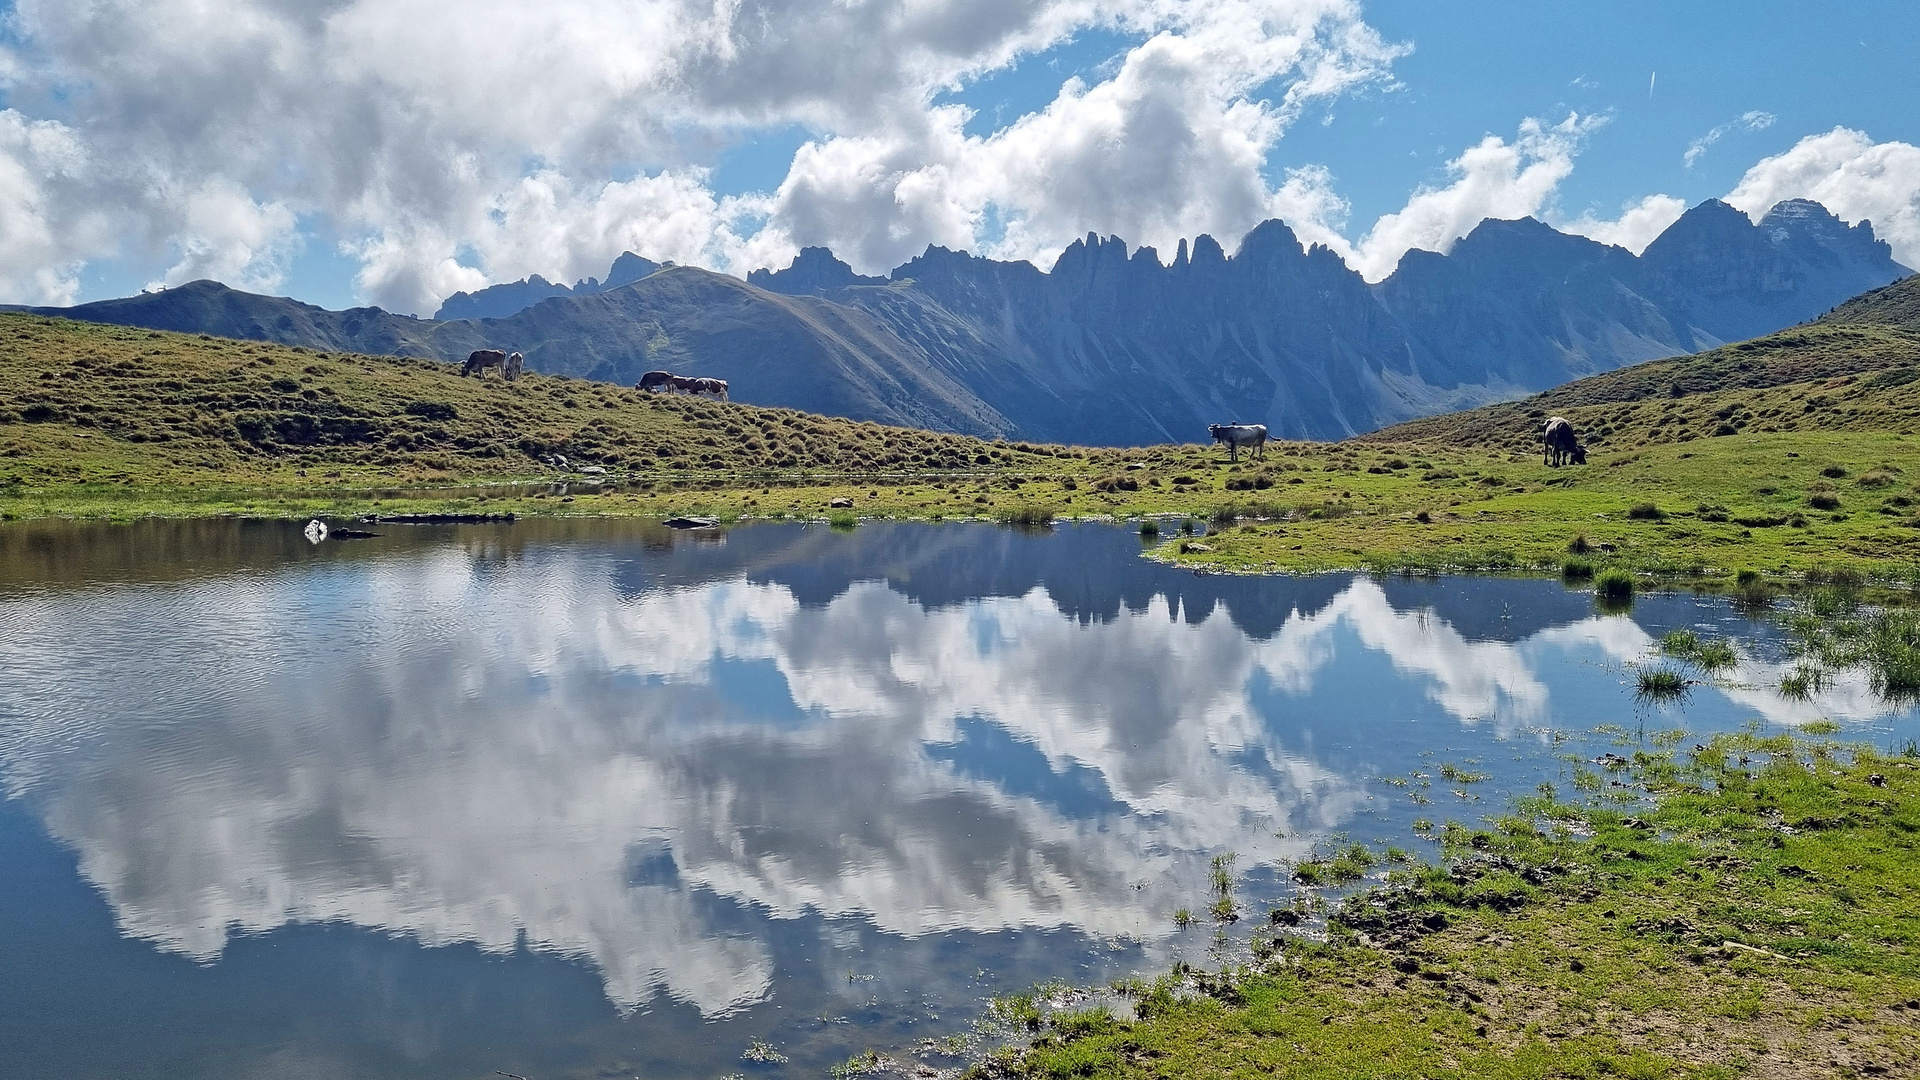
[
  {"x": 1854, "y": 369},
  {"x": 1897, "y": 304}
]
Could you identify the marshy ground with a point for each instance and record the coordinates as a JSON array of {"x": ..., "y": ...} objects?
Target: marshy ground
[{"x": 1742, "y": 906}]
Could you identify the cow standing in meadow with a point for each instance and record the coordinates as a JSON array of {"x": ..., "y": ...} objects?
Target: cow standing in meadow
[
  {"x": 1239, "y": 435},
  {"x": 654, "y": 380},
  {"x": 479, "y": 360},
  {"x": 1562, "y": 443}
]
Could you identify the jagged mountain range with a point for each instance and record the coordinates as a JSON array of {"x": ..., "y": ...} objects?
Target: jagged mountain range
[
  {"x": 1115, "y": 347},
  {"x": 513, "y": 297}
]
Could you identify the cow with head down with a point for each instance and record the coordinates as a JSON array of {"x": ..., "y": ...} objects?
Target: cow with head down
[
  {"x": 479, "y": 360},
  {"x": 1562, "y": 443}
]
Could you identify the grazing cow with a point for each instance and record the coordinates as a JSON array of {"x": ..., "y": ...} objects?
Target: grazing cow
[
  {"x": 511, "y": 369},
  {"x": 1239, "y": 435},
  {"x": 481, "y": 359},
  {"x": 716, "y": 387},
  {"x": 682, "y": 384},
  {"x": 654, "y": 380},
  {"x": 1562, "y": 444}
]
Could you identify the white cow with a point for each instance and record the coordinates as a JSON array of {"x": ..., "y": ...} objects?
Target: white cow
[{"x": 1239, "y": 435}]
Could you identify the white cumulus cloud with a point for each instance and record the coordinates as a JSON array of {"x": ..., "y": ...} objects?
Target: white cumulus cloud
[
  {"x": 42, "y": 245},
  {"x": 1636, "y": 227},
  {"x": 453, "y": 144},
  {"x": 1851, "y": 175},
  {"x": 1492, "y": 179}
]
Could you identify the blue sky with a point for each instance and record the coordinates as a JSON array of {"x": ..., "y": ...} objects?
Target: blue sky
[
  {"x": 1477, "y": 67},
  {"x": 158, "y": 141}
]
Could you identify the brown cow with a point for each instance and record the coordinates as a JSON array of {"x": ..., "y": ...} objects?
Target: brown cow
[
  {"x": 481, "y": 359},
  {"x": 654, "y": 380}
]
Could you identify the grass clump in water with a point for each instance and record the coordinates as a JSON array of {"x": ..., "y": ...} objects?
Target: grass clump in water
[
  {"x": 1661, "y": 684},
  {"x": 1802, "y": 682},
  {"x": 1343, "y": 867},
  {"x": 843, "y": 520},
  {"x": 1684, "y": 644},
  {"x": 762, "y": 1052},
  {"x": 1714, "y": 655},
  {"x": 1224, "y": 909},
  {"x": 1615, "y": 586},
  {"x": 1027, "y": 516}
]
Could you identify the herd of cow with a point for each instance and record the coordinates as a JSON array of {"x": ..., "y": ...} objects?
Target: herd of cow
[
  {"x": 680, "y": 384},
  {"x": 1562, "y": 443},
  {"x": 511, "y": 364}
]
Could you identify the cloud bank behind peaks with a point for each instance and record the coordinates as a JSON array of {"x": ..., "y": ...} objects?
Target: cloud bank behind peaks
[
  {"x": 455, "y": 144},
  {"x": 1492, "y": 179},
  {"x": 1851, "y": 175}
]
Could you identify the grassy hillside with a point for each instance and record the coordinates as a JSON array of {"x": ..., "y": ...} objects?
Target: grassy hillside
[
  {"x": 91, "y": 404},
  {"x": 1854, "y": 369},
  {"x": 1897, "y": 304},
  {"x": 103, "y": 421}
]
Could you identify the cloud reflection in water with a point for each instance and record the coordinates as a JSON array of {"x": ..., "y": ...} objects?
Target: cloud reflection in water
[{"x": 479, "y": 750}]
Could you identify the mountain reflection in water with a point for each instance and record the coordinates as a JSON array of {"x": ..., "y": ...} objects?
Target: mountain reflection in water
[{"x": 603, "y": 742}]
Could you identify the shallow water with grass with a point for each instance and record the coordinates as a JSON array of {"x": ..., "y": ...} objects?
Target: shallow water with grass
[{"x": 598, "y": 798}]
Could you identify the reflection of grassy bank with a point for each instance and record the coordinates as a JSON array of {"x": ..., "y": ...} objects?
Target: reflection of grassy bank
[
  {"x": 105, "y": 422},
  {"x": 1750, "y": 906}
]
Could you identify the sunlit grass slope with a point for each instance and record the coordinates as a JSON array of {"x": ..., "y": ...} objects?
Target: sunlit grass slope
[
  {"x": 1855, "y": 369},
  {"x": 99, "y": 403}
]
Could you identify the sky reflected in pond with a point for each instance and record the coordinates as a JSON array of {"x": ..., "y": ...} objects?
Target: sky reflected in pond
[{"x": 585, "y": 798}]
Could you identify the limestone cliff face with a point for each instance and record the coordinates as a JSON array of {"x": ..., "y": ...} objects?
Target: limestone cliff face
[{"x": 1114, "y": 347}]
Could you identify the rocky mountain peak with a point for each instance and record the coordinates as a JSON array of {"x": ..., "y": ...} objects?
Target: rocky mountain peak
[
  {"x": 1112, "y": 347},
  {"x": 814, "y": 272}
]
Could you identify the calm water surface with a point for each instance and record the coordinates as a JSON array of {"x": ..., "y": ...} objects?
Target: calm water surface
[{"x": 597, "y": 799}]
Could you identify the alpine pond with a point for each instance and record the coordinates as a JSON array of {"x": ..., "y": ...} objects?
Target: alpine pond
[{"x": 594, "y": 798}]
